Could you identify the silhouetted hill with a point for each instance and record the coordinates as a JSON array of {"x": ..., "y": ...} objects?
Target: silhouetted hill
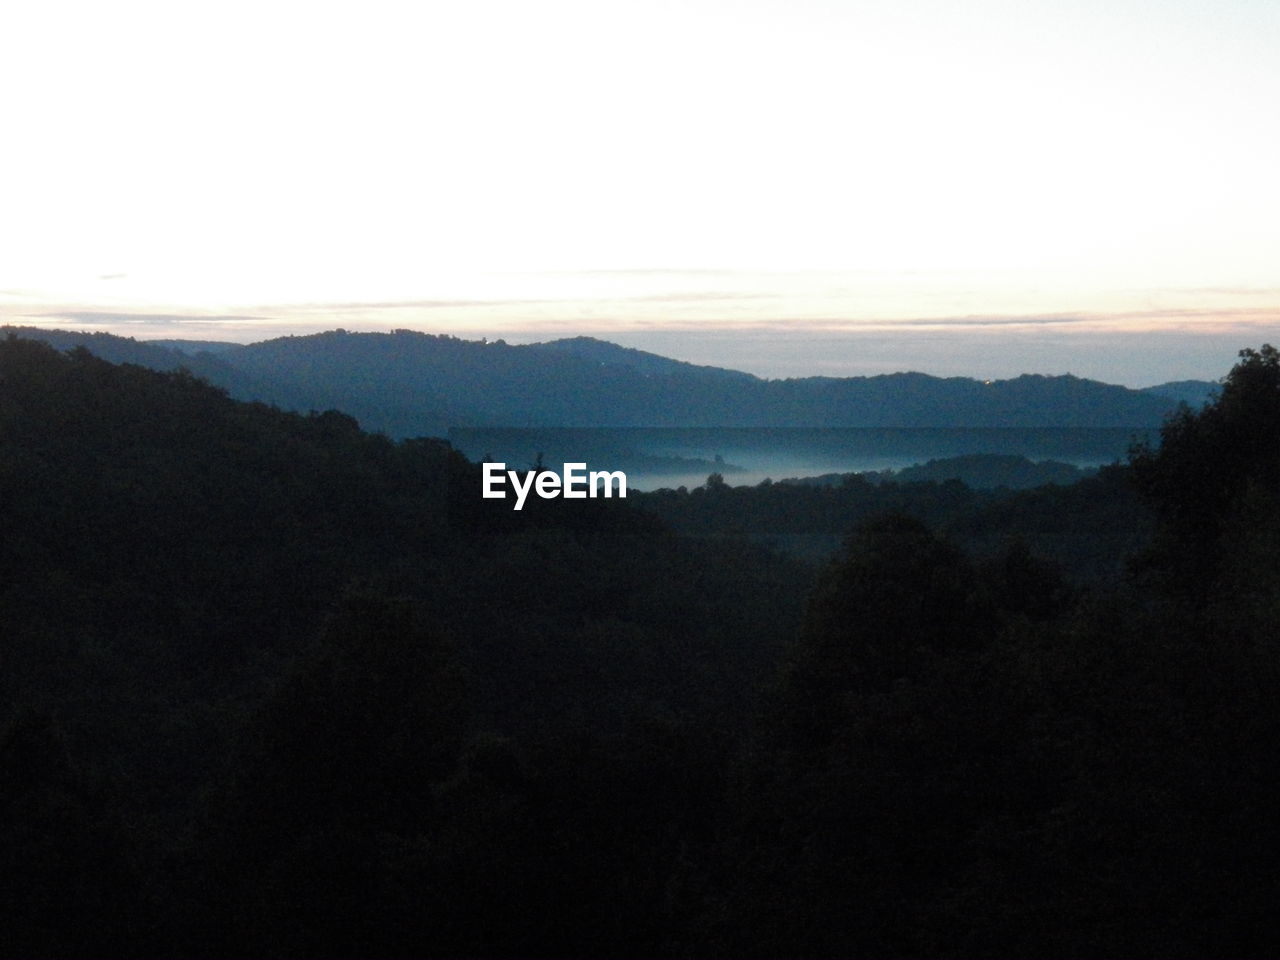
[
  {"x": 158, "y": 355},
  {"x": 412, "y": 384},
  {"x": 193, "y": 347},
  {"x": 1194, "y": 393},
  {"x": 155, "y": 354},
  {"x": 606, "y": 353},
  {"x": 981, "y": 471},
  {"x": 988, "y": 471}
]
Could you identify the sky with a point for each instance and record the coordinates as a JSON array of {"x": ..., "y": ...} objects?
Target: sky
[{"x": 791, "y": 188}]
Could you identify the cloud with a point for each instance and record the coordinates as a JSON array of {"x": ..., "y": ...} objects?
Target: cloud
[
  {"x": 1238, "y": 291},
  {"x": 656, "y": 272},
  {"x": 144, "y": 319},
  {"x": 696, "y": 296},
  {"x": 971, "y": 321},
  {"x": 407, "y": 304},
  {"x": 1120, "y": 321},
  {"x": 700, "y": 297}
]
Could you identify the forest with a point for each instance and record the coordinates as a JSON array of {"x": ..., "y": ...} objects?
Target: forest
[{"x": 272, "y": 685}]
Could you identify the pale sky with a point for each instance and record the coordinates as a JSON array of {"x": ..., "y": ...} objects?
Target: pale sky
[{"x": 980, "y": 188}]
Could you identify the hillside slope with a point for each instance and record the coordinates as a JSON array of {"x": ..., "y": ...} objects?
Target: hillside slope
[{"x": 406, "y": 383}]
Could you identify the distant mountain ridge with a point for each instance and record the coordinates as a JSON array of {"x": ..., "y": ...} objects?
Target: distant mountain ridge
[
  {"x": 606, "y": 353},
  {"x": 1194, "y": 393},
  {"x": 406, "y": 383}
]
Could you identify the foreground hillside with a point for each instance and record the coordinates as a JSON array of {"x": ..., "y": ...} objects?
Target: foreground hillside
[
  {"x": 219, "y": 620},
  {"x": 272, "y": 685},
  {"x": 414, "y": 384}
]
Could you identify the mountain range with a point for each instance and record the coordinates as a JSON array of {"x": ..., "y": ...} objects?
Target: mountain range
[{"x": 407, "y": 383}]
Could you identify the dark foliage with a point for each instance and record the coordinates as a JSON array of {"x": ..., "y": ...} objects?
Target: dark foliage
[
  {"x": 274, "y": 686},
  {"x": 1215, "y": 477},
  {"x": 1088, "y": 527}
]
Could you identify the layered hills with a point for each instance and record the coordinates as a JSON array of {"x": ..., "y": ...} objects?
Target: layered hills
[{"x": 406, "y": 383}]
